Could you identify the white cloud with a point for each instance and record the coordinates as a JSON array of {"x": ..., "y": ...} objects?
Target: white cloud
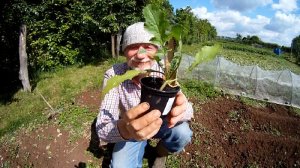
[
  {"x": 286, "y": 5},
  {"x": 280, "y": 29},
  {"x": 285, "y": 25},
  {"x": 240, "y": 5},
  {"x": 281, "y": 21}
]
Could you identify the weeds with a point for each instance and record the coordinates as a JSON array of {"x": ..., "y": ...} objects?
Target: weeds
[
  {"x": 246, "y": 125},
  {"x": 232, "y": 139},
  {"x": 275, "y": 131},
  {"x": 199, "y": 89},
  {"x": 251, "y": 165},
  {"x": 234, "y": 115},
  {"x": 173, "y": 161},
  {"x": 76, "y": 120},
  {"x": 295, "y": 110},
  {"x": 252, "y": 102},
  {"x": 268, "y": 128},
  {"x": 5, "y": 164}
]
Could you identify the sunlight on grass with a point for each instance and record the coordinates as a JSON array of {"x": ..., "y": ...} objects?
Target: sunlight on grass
[
  {"x": 76, "y": 119},
  {"x": 24, "y": 109},
  {"x": 58, "y": 88}
]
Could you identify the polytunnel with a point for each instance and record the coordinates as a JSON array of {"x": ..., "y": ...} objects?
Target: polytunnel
[{"x": 281, "y": 87}]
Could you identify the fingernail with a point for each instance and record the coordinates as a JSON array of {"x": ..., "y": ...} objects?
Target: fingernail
[
  {"x": 158, "y": 122},
  {"x": 157, "y": 113},
  {"x": 146, "y": 105}
]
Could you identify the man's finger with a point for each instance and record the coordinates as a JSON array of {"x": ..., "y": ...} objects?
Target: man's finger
[
  {"x": 149, "y": 131},
  {"x": 136, "y": 111},
  {"x": 173, "y": 120},
  {"x": 145, "y": 120},
  {"x": 180, "y": 99},
  {"x": 178, "y": 110},
  {"x": 157, "y": 124}
]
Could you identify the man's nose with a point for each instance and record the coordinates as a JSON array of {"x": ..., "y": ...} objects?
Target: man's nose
[{"x": 141, "y": 53}]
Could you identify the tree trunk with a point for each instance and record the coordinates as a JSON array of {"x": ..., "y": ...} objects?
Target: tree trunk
[
  {"x": 119, "y": 37},
  {"x": 23, "y": 73},
  {"x": 113, "y": 49}
]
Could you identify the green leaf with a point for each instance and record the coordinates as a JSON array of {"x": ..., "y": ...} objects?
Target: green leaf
[
  {"x": 176, "y": 32},
  {"x": 157, "y": 24},
  {"x": 159, "y": 54},
  {"x": 206, "y": 53},
  {"x": 118, "y": 79}
]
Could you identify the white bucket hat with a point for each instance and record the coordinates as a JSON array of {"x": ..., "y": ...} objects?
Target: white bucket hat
[{"x": 136, "y": 33}]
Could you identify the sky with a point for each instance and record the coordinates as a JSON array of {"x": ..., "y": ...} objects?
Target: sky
[{"x": 273, "y": 21}]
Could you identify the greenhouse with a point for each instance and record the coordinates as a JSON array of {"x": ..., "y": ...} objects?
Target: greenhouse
[{"x": 281, "y": 87}]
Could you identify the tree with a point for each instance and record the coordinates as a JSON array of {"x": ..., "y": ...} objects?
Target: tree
[
  {"x": 185, "y": 18},
  {"x": 205, "y": 29},
  {"x": 10, "y": 22},
  {"x": 238, "y": 37},
  {"x": 255, "y": 39},
  {"x": 164, "y": 4},
  {"x": 113, "y": 16},
  {"x": 196, "y": 30},
  {"x": 23, "y": 73},
  {"x": 296, "y": 47}
]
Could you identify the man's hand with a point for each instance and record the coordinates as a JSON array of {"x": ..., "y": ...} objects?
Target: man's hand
[
  {"x": 178, "y": 110},
  {"x": 139, "y": 125}
]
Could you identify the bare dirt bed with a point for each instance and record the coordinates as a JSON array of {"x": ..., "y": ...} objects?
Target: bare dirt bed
[{"x": 227, "y": 133}]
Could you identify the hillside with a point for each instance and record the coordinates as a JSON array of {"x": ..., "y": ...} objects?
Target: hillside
[{"x": 251, "y": 55}]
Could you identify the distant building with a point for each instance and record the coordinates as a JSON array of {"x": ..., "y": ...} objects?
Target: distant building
[{"x": 277, "y": 51}]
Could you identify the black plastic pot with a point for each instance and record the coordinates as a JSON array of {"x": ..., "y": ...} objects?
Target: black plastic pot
[{"x": 161, "y": 100}]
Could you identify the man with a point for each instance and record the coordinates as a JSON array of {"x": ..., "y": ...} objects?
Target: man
[{"x": 124, "y": 121}]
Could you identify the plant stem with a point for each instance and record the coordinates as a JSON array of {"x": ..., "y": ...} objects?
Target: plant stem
[
  {"x": 167, "y": 82},
  {"x": 169, "y": 57}
]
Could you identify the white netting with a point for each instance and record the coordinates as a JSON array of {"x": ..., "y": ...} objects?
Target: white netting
[{"x": 281, "y": 87}]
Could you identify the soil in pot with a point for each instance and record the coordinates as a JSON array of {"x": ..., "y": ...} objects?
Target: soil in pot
[{"x": 161, "y": 100}]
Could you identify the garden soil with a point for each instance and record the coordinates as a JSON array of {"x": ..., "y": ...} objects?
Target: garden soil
[{"x": 227, "y": 133}]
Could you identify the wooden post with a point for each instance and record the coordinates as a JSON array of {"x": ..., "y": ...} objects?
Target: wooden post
[{"x": 23, "y": 73}]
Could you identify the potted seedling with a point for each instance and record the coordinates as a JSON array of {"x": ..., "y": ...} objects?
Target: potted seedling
[{"x": 160, "y": 92}]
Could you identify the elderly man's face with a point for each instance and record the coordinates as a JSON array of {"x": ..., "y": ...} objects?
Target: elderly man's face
[{"x": 140, "y": 56}]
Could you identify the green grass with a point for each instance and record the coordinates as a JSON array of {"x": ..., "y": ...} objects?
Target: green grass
[
  {"x": 199, "y": 89},
  {"x": 76, "y": 120},
  {"x": 266, "y": 62},
  {"x": 59, "y": 89},
  {"x": 25, "y": 108},
  {"x": 295, "y": 110},
  {"x": 247, "y": 55},
  {"x": 252, "y": 102}
]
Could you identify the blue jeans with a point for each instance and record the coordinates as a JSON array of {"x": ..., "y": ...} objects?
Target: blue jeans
[{"x": 129, "y": 154}]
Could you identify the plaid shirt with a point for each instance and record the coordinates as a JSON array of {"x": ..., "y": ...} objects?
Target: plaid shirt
[{"x": 119, "y": 100}]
